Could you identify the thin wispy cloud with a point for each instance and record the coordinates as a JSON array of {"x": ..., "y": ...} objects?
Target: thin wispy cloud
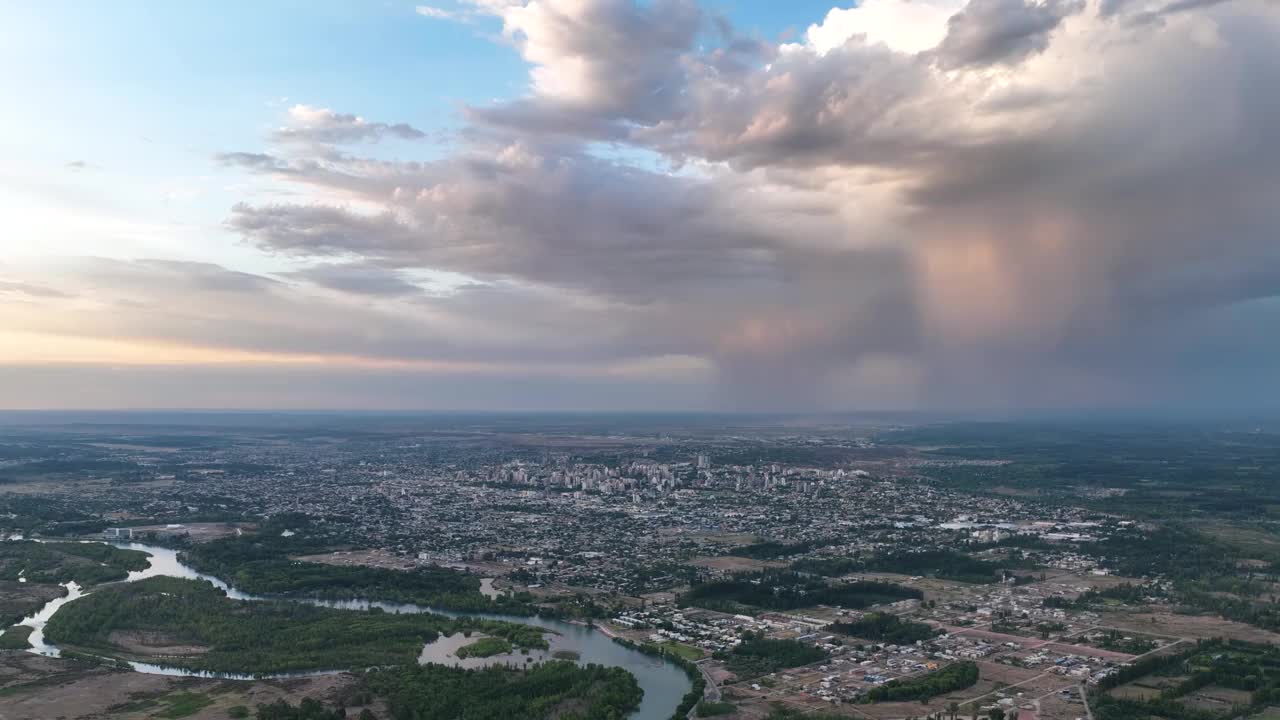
[{"x": 439, "y": 13}]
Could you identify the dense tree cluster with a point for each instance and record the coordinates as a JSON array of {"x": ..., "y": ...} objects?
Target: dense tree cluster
[
  {"x": 557, "y": 689},
  {"x": 757, "y": 655},
  {"x": 308, "y": 709},
  {"x": 1126, "y": 593},
  {"x": 1253, "y": 668},
  {"x": 885, "y": 627},
  {"x": 784, "y": 590},
  {"x": 1260, "y": 614},
  {"x": 711, "y": 708},
  {"x": 956, "y": 676},
  {"x": 59, "y": 562},
  {"x": 944, "y": 564},
  {"x": 828, "y": 566},
  {"x": 771, "y": 549},
  {"x": 1168, "y": 551}
]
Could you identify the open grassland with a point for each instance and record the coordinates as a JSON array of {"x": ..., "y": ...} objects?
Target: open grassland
[{"x": 39, "y": 688}]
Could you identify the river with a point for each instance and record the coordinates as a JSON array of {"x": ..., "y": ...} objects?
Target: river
[{"x": 663, "y": 683}]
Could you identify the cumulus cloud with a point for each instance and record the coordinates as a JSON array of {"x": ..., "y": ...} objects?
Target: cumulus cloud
[
  {"x": 907, "y": 27},
  {"x": 997, "y": 202},
  {"x": 604, "y": 61}
]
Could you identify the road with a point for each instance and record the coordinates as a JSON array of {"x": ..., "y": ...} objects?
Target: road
[
  {"x": 1084, "y": 698},
  {"x": 711, "y": 692}
]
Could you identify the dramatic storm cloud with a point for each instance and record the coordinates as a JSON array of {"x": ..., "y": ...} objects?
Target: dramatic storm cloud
[{"x": 915, "y": 203}]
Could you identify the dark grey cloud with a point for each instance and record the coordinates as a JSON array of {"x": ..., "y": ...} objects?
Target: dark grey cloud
[
  {"x": 1139, "y": 16},
  {"x": 987, "y": 32},
  {"x": 321, "y": 230},
  {"x": 533, "y": 116},
  {"x": 568, "y": 220}
]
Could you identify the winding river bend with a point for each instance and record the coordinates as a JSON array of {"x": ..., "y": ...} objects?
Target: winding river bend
[{"x": 664, "y": 684}]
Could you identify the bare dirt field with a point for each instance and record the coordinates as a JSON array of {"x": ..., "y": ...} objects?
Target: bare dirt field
[
  {"x": 1085, "y": 650},
  {"x": 1187, "y": 626},
  {"x": 995, "y": 681},
  {"x": 720, "y": 538},
  {"x": 995, "y": 637},
  {"x": 1056, "y": 707},
  {"x": 1102, "y": 582},
  {"x": 39, "y": 688},
  {"x": 1217, "y": 699},
  {"x": 758, "y": 711},
  {"x": 937, "y": 589},
  {"x": 1134, "y": 691},
  {"x": 1006, "y": 674},
  {"x": 198, "y": 532},
  {"x": 55, "y": 485},
  {"x": 365, "y": 558},
  {"x": 139, "y": 642},
  {"x": 735, "y": 564},
  {"x": 898, "y": 710}
]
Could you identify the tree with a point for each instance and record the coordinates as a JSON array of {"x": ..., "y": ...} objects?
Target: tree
[{"x": 997, "y": 713}]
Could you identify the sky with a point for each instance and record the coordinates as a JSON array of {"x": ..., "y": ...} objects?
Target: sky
[{"x": 640, "y": 205}]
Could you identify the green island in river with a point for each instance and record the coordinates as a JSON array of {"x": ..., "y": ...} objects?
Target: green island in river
[
  {"x": 59, "y": 562},
  {"x": 190, "y": 624},
  {"x": 266, "y": 563},
  {"x": 485, "y": 647},
  {"x": 31, "y": 573}
]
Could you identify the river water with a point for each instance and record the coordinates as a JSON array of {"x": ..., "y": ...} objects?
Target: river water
[{"x": 664, "y": 684}]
